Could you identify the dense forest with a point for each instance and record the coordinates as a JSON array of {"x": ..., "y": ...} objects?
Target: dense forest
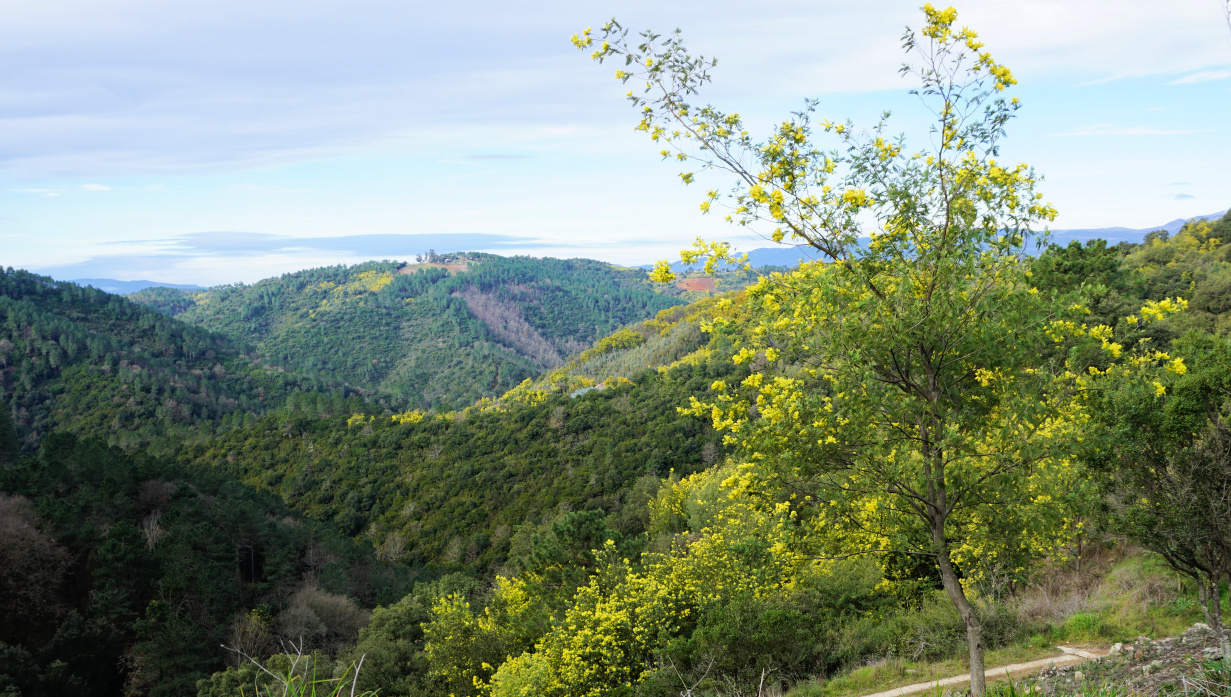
[
  {"x": 97, "y": 364},
  {"x": 432, "y": 543},
  {"x": 123, "y": 573},
  {"x": 451, "y": 490},
  {"x": 426, "y": 336},
  {"x": 939, "y": 446}
]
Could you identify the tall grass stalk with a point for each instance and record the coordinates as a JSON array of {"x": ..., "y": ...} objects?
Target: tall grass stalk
[{"x": 292, "y": 684}]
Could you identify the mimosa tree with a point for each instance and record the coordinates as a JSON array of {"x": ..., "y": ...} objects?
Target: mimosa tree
[{"x": 910, "y": 390}]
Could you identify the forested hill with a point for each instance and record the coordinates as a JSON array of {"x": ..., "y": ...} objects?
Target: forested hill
[
  {"x": 452, "y": 490},
  {"x": 123, "y": 573},
  {"x": 86, "y": 361},
  {"x": 1194, "y": 264},
  {"x": 437, "y": 335}
]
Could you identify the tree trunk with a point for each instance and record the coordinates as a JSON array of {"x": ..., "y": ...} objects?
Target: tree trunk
[
  {"x": 974, "y": 627},
  {"x": 1211, "y": 603}
]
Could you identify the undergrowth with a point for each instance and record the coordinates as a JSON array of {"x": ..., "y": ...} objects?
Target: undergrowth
[{"x": 1113, "y": 594}]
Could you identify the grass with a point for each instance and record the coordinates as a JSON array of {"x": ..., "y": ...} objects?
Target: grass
[
  {"x": 892, "y": 673},
  {"x": 1011, "y": 688},
  {"x": 1117, "y": 596},
  {"x": 295, "y": 675}
]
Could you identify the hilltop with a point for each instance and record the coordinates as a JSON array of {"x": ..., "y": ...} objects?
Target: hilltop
[
  {"x": 96, "y": 364},
  {"x": 437, "y": 335}
]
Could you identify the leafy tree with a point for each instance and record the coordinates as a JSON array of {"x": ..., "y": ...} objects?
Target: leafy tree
[
  {"x": 725, "y": 605},
  {"x": 9, "y": 443},
  {"x": 909, "y": 386},
  {"x": 1165, "y": 454},
  {"x": 1112, "y": 287},
  {"x": 120, "y": 569}
]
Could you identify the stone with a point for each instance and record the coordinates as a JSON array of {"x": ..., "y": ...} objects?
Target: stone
[{"x": 1116, "y": 648}]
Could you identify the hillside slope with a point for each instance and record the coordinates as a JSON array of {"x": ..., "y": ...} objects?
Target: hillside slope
[
  {"x": 122, "y": 574},
  {"x": 426, "y": 335},
  {"x": 85, "y": 361}
]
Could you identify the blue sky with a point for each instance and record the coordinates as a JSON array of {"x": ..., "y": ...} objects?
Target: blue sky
[{"x": 217, "y": 142}]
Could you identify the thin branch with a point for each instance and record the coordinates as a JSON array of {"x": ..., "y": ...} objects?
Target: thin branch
[{"x": 857, "y": 554}]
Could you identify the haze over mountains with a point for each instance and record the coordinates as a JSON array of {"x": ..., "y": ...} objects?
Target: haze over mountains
[{"x": 407, "y": 246}]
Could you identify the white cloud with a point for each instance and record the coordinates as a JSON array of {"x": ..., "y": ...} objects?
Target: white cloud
[
  {"x": 95, "y": 187},
  {"x": 152, "y": 86},
  {"x": 1203, "y": 76}
]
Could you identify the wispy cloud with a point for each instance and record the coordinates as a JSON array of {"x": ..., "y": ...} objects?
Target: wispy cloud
[
  {"x": 41, "y": 192},
  {"x": 1183, "y": 197},
  {"x": 1103, "y": 129},
  {"x": 1203, "y": 76},
  {"x": 213, "y": 250},
  {"x": 226, "y": 243},
  {"x": 95, "y": 187}
]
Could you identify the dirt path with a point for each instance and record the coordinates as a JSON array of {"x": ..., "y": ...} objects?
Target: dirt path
[{"x": 1070, "y": 656}]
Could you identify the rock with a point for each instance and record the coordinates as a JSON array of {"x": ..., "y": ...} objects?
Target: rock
[
  {"x": 1115, "y": 649},
  {"x": 1198, "y": 628},
  {"x": 1081, "y": 677}
]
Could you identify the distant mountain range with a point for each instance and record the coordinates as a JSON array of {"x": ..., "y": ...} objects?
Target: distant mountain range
[
  {"x": 115, "y": 287},
  {"x": 792, "y": 255},
  {"x": 1115, "y": 235},
  {"x": 765, "y": 256}
]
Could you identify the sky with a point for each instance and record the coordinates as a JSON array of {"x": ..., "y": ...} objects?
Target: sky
[{"x": 221, "y": 142}]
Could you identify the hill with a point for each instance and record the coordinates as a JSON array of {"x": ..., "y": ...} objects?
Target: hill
[
  {"x": 452, "y": 490},
  {"x": 122, "y": 573},
  {"x": 787, "y": 256},
  {"x": 438, "y": 335},
  {"x": 526, "y": 485},
  {"x": 92, "y": 363}
]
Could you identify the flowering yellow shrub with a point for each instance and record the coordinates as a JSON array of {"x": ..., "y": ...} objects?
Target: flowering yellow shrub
[{"x": 607, "y": 638}]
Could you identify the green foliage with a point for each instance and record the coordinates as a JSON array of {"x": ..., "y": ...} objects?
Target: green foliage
[
  {"x": 9, "y": 442},
  {"x": 451, "y": 491},
  {"x": 168, "y": 301},
  {"x": 285, "y": 675},
  {"x": 97, "y": 364},
  {"x": 422, "y": 337},
  {"x": 391, "y": 646},
  {"x": 1096, "y": 271},
  {"x": 147, "y": 566},
  {"x": 1164, "y": 446}
]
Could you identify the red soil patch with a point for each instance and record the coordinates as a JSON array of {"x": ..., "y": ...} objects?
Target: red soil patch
[{"x": 707, "y": 284}]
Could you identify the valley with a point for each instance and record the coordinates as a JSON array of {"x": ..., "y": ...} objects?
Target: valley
[
  {"x": 918, "y": 441},
  {"x": 526, "y": 482}
]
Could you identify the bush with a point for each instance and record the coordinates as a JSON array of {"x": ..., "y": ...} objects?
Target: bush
[{"x": 328, "y": 622}]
